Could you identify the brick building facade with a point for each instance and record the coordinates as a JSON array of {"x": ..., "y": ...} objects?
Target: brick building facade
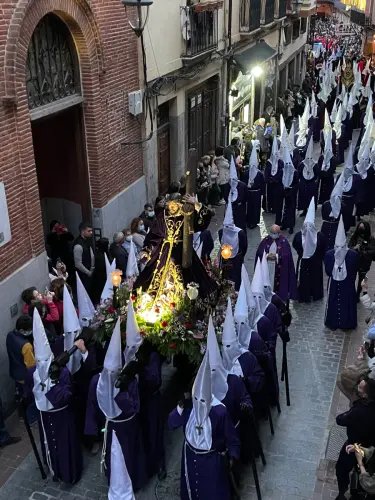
[{"x": 65, "y": 159}]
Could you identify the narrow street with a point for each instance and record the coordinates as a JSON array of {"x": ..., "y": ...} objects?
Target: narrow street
[{"x": 299, "y": 455}]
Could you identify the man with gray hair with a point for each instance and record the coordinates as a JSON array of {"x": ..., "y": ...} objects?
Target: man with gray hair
[{"x": 118, "y": 252}]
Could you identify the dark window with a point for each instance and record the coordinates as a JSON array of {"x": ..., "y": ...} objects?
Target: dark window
[
  {"x": 296, "y": 29},
  {"x": 249, "y": 15},
  {"x": 303, "y": 24},
  {"x": 282, "y": 8},
  {"x": 269, "y": 13},
  {"x": 288, "y": 34},
  {"x": 203, "y": 117},
  {"x": 52, "y": 68}
]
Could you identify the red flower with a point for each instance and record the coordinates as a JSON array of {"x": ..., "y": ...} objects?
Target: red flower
[
  {"x": 173, "y": 346},
  {"x": 172, "y": 304},
  {"x": 188, "y": 325},
  {"x": 123, "y": 335},
  {"x": 111, "y": 310},
  {"x": 164, "y": 324},
  {"x": 157, "y": 310},
  {"x": 143, "y": 333},
  {"x": 133, "y": 297}
]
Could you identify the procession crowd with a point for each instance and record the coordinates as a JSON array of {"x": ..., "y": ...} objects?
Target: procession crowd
[{"x": 102, "y": 396}]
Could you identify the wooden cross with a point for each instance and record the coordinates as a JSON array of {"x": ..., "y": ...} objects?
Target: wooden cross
[
  {"x": 43, "y": 386},
  {"x": 199, "y": 429},
  {"x": 191, "y": 181}
]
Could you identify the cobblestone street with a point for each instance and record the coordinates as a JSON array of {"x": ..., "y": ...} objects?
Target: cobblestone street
[{"x": 297, "y": 466}]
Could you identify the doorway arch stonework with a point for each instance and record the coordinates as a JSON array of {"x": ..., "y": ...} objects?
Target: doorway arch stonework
[{"x": 81, "y": 22}]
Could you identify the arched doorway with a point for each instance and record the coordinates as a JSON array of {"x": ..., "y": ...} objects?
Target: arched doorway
[{"x": 56, "y": 112}]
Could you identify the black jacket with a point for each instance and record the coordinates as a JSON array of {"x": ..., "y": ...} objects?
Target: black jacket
[
  {"x": 119, "y": 253},
  {"x": 359, "y": 422}
]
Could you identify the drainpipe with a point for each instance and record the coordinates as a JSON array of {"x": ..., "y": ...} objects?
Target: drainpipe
[{"x": 229, "y": 65}]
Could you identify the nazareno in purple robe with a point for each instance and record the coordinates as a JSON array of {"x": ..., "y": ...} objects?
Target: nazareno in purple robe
[
  {"x": 266, "y": 360},
  {"x": 253, "y": 375},
  {"x": 310, "y": 271},
  {"x": 326, "y": 180},
  {"x": 254, "y": 198},
  {"x": 273, "y": 314},
  {"x": 341, "y": 309},
  {"x": 152, "y": 418},
  {"x": 128, "y": 430},
  {"x": 348, "y": 202},
  {"x": 285, "y": 284},
  {"x": 207, "y": 471},
  {"x": 59, "y": 427},
  {"x": 273, "y": 197},
  {"x": 232, "y": 267},
  {"x": 236, "y": 396},
  {"x": 238, "y": 206},
  {"x": 329, "y": 225},
  {"x": 290, "y": 205},
  {"x": 307, "y": 189}
]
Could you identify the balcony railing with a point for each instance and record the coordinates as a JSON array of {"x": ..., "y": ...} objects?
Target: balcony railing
[
  {"x": 269, "y": 12},
  {"x": 282, "y": 9},
  {"x": 249, "y": 15},
  {"x": 199, "y": 30}
]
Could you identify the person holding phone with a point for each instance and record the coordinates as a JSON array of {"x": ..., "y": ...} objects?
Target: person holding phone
[{"x": 363, "y": 242}]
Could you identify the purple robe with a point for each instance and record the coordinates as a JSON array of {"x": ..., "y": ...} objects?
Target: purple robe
[
  {"x": 329, "y": 225},
  {"x": 307, "y": 189},
  {"x": 253, "y": 374},
  {"x": 314, "y": 125},
  {"x": 207, "y": 243},
  {"x": 273, "y": 314},
  {"x": 60, "y": 429},
  {"x": 341, "y": 146},
  {"x": 128, "y": 430},
  {"x": 322, "y": 142},
  {"x": 232, "y": 267},
  {"x": 207, "y": 471},
  {"x": 151, "y": 413},
  {"x": 238, "y": 206},
  {"x": 285, "y": 284},
  {"x": 326, "y": 180},
  {"x": 348, "y": 202},
  {"x": 266, "y": 361},
  {"x": 280, "y": 304},
  {"x": 236, "y": 396},
  {"x": 341, "y": 309},
  {"x": 365, "y": 194},
  {"x": 274, "y": 188},
  {"x": 254, "y": 199},
  {"x": 287, "y": 218},
  {"x": 310, "y": 271}
]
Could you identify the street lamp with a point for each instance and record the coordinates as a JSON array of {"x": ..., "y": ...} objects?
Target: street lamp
[
  {"x": 137, "y": 12},
  {"x": 256, "y": 71}
]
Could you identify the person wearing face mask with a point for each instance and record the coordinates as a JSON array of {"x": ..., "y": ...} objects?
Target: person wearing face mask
[
  {"x": 138, "y": 231},
  {"x": 341, "y": 266},
  {"x": 363, "y": 243},
  {"x": 280, "y": 263},
  {"x": 148, "y": 216},
  {"x": 20, "y": 349}
]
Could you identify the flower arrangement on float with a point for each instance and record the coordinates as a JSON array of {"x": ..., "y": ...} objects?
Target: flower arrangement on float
[{"x": 175, "y": 320}]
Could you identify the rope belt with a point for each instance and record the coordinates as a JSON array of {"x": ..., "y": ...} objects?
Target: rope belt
[
  {"x": 48, "y": 454},
  {"x": 105, "y": 430}
]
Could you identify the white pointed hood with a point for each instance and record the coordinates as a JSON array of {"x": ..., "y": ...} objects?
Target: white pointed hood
[
  {"x": 364, "y": 162},
  {"x": 337, "y": 124},
  {"x": 369, "y": 116},
  {"x": 348, "y": 170},
  {"x": 132, "y": 264},
  {"x": 233, "y": 181},
  {"x": 257, "y": 288},
  {"x": 328, "y": 153},
  {"x": 86, "y": 309},
  {"x": 107, "y": 292},
  {"x": 327, "y": 123},
  {"x": 288, "y": 171},
  {"x": 275, "y": 156},
  {"x": 339, "y": 269},
  {"x": 308, "y": 162},
  {"x": 251, "y": 304},
  {"x": 231, "y": 348},
  {"x": 314, "y": 105},
  {"x": 283, "y": 131},
  {"x": 367, "y": 137},
  {"x": 198, "y": 432},
  {"x": 230, "y": 231},
  {"x": 254, "y": 163},
  {"x": 309, "y": 232},
  {"x": 120, "y": 484},
  {"x": 303, "y": 128},
  {"x": 343, "y": 93},
  {"x": 241, "y": 318},
  {"x": 268, "y": 287},
  {"x": 71, "y": 327},
  {"x": 290, "y": 138},
  {"x": 372, "y": 155},
  {"x": 219, "y": 374},
  {"x": 306, "y": 114},
  {"x": 334, "y": 112},
  {"x": 44, "y": 358},
  {"x": 336, "y": 197},
  {"x": 133, "y": 337},
  {"x": 106, "y": 390}
]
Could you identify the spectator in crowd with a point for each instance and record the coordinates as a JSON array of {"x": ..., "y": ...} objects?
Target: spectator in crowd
[
  {"x": 100, "y": 271},
  {"x": 233, "y": 150},
  {"x": 138, "y": 232},
  {"x": 59, "y": 240},
  {"x": 84, "y": 258},
  {"x": 20, "y": 349},
  {"x": 59, "y": 271},
  {"x": 148, "y": 216},
  {"x": 363, "y": 243},
  {"x": 32, "y": 295},
  {"x": 118, "y": 252},
  {"x": 223, "y": 166},
  {"x": 5, "y": 438}
]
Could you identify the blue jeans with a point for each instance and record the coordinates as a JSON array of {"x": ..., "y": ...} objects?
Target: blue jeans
[{"x": 4, "y": 435}]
